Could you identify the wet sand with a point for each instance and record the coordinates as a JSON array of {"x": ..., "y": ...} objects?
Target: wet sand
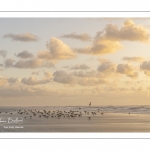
[{"x": 87, "y": 122}]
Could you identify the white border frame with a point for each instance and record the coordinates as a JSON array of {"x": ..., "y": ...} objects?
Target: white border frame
[{"x": 86, "y": 14}]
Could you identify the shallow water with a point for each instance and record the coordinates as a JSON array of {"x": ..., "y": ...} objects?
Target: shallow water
[{"x": 113, "y": 119}]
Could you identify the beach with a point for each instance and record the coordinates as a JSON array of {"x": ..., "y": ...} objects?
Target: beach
[{"x": 80, "y": 119}]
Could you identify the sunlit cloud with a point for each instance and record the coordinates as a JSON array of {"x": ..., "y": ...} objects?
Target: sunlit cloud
[
  {"x": 82, "y": 37},
  {"x": 27, "y": 37},
  {"x": 57, "y": 50},
  {"x": 134, "y": 59},
  {"x": 32, "y": 63},
  {"x": 83, "y": 74},
  {"x": 102, "y": 46},
  {"x": 81, "y": 67},
  {"x": 25, "y": 54},
  {"x": 127, "y": 70},
  {"x": 33, "y": 81},
  {"x": 146, "y": 67},
  {"x": 108, "y": 40},
  {"x": 107, "y": 67},
  {"x": 64, "y": 77}
]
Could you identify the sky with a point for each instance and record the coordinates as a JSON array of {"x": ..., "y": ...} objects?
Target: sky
[{"x": 74, "y": 61}]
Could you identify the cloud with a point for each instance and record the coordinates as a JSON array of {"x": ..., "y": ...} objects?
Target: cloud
[
  {"x": 108, "y": 40},
  {"x": 91, "y": 82},
  {"x": 3, "y": 53},
  {"x": 83, "y": 37},
  {"x": 82, "y": 67},
  {"x": 13, "y": 80},
  {"x": 134, "y": 59},
  {"x": 28, "y": 64},
  {"x": 107, "y": 67},
  {"x": 27, "y": 37},
  {"x": 128, "y": 32},
  {"x": 3, "y": 81},
  {"x": 64, "y": 77},
  {"x": 127, "y": 70},
  {"x": 146, "y": 67},
  {"x": 9, "y": 62},
  {"x": 25, "y": 54},
  {"x": 57, "y": 50},
  {"x": 48, "y": 74},
  {"x": 32, "y": 63},
  {"x": 33, "y": 81},
  {"x": 80, "y": 78},
  {"x": 102, "y": 46},
  {"x": 87, "y": 74}
]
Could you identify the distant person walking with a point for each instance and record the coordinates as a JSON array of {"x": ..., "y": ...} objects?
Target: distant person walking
[{"x": 90, "y": 104}]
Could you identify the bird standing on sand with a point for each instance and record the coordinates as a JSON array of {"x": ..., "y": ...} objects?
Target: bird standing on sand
[
  {"x": 89, "y": 118},
  {"x": 90, "y": 104}
]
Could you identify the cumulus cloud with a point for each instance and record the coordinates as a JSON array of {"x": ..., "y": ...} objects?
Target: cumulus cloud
[
  {"x": 27, "y": 37},
  {"x": 28, "y": 64},
  {"x": 57, "y": 50},
  {"x": 3, "y": 53},
  {"x": 127, "y": 70},
  {"x": 106, "y": 66},
  {"x": 33, "y": 81},
  {"x": 146, "y": 67},
  {"x": 64, "y": 77},
  {"x": 108, "y": 40},
  {"x": 25, "y": 54},
  {"x": 134, "y": 59},
  {"x": 80, "y": 78},
  {"x": 87, "y": 74},
  {"x": 128, "y": 32},
  {"x": 82, "y": 67},
  {"x": 31, "y": 63},
  {"x": 9, "y": 62},
  {"x": 101, "y": 46},
  {"x": 83, "y": 37}
]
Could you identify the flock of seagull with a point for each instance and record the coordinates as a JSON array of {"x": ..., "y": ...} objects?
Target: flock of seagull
[{"x": 53, "y": 114}]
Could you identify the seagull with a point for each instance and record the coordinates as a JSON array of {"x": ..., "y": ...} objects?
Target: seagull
[
  {"x": 90, "y": 104},
  {"x": 89, "y": 118}
]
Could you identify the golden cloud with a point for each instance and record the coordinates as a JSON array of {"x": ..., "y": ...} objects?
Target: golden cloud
[
  {"x": 83, "y": 37},
  {"x": 108, "y": 40},
  {"x": 134, "y": 59},
  {"x": 57, "y": 50},
  {"x": 127, "y": 69}
]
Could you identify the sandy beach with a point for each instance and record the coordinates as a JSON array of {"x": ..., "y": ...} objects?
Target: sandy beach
[{"x": 91, "y": 120}]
